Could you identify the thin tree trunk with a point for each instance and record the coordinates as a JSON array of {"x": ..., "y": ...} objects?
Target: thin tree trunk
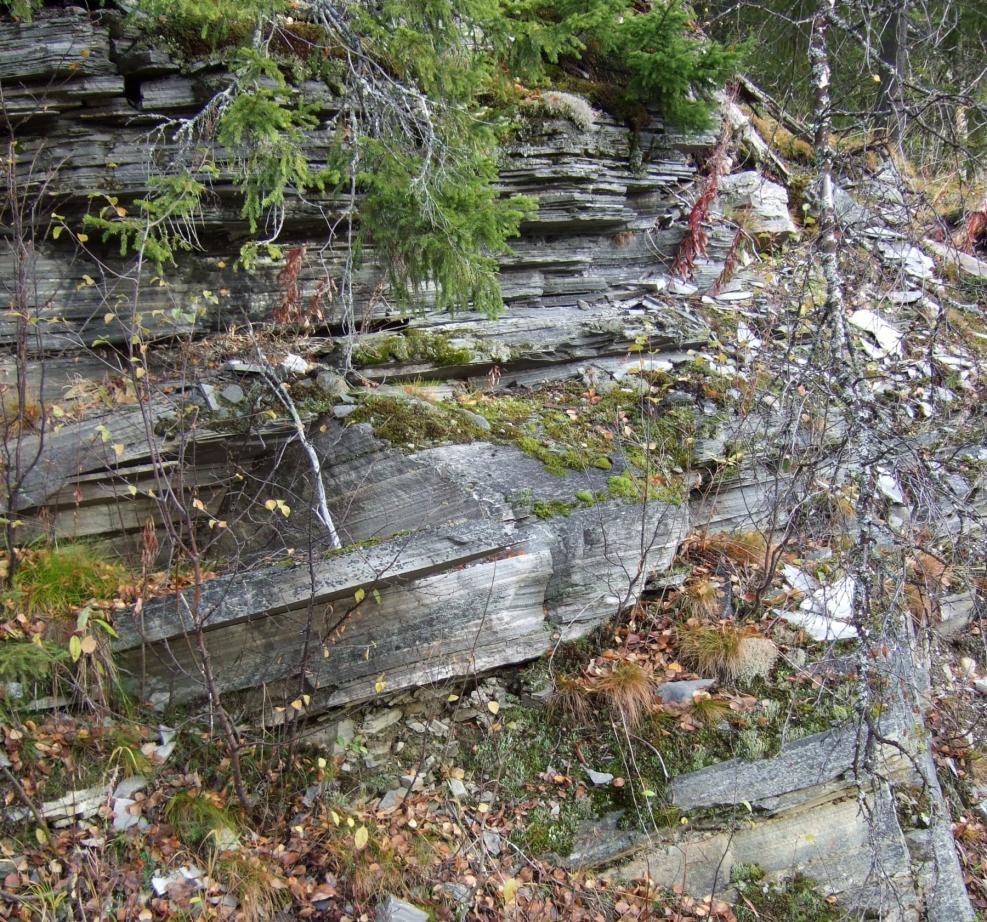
[
  {"x": 891, "y": 99},
  {"x": 321, "y": 503}
]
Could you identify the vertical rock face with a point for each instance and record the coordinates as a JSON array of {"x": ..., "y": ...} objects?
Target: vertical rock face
[
  {"x": 84, "y": 102},
  {"x": 475, "y": 586},
  {"x": 462, "y": 552},
  {"x": 463, "y": 575}
]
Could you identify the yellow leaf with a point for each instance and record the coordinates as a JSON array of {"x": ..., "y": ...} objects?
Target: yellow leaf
[
  {"x": 453, "y": 698},
  {"x": 88, "y": 280},
  {"x": 271, "y": 505},
  {"x": 359, "y": 595},
  {"x": 297, "y": 704},
  {"x": 482, "y": 808},
  {"x": 380, "y": 685},
  {"x": 349, "y": 822},
  {"x": 41, "y": 836},
  {"x": 56, "y": 232},
  {"x": 88, "y": 645},
  {"x": 321, "y": 762},
  {"x": 335, "y": 817},
  {"x": 139, "y": 372},
  {"x": 360, "y": 838},
  {"x": 132, "y": 490},
  {"x": 83, "y": 238},
  {"x": 198, "y": 504},
  {"x": 121, "y": 212},
  {"x": 511, "y": 887},
  {"x": 75, "y": 647},
  {"x": 493, "y": 707},
  {"x": 119, "y": 449},
  {"x": 109, "y": 318}
]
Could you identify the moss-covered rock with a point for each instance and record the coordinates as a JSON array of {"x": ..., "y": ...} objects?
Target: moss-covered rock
[
  {"x": 415, "y": 423},
  {"x": 414, "y": 347}
]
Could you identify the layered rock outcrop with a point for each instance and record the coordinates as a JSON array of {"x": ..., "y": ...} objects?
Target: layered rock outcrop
[{"x": 469, "y": 544}]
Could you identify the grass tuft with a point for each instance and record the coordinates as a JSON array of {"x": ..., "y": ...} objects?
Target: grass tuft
[
  {"x": 709, "y": 710},
  {"x": 746, "y": 549},
  {"x": 56, "y": 581},
  {"x": 199, "y": 820},
  {"x": 571, "y": 699},
  {"x": 389, "y": 863},
  {"x": 700, "y": 598},
  {"x": 712, "y": 650},
  {"x": 254, "y": 885},
  {"x": 628, "y": 691}
]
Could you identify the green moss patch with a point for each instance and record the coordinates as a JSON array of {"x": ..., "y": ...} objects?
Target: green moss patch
[
  {"x": 552, "y": 508},
  {"x": 414, "y": 347},
  {"x": 570, "y": 429},
  {"x": 564, "y": 426},
  {"x": 795, "y": 900},
  {"x": 415, "y": 423}
]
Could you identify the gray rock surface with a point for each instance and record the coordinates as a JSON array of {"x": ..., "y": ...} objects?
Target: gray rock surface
[
  {"x": 395, "y": 910},
  {"x": 759, "y": 205},
  {"x": 866, "y": 865},
  {"x": 417, "y": 607},
  {"x": 682, "y": 692}
]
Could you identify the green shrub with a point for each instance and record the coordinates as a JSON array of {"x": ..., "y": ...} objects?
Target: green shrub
[
  {"x": 417, "y": 135},
  {"x": 22, "y": 10},
  {"x": 649, "y": 52},
  {"x": 29, "y": 663}
]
